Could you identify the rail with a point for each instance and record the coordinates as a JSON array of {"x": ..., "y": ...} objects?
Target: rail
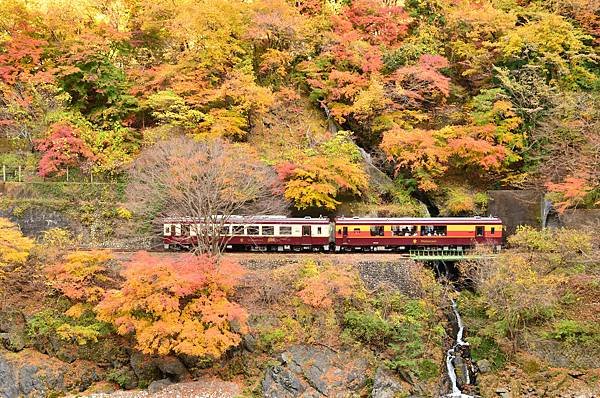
[{"x": 445, "y": 255}]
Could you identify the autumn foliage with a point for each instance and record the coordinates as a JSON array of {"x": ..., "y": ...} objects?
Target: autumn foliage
[
  {"x": 177, "y": 306},
  {"x": 62, "y": 148},
  {"x": 82, "y": 276},
  {"x": 14, "y": 247}
]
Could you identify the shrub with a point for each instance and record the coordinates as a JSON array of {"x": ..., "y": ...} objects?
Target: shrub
[
  {"x": 82, "y": 276},
  {"x": 177, "y": 306},
  {"x": 368, "y": 328},
  {"x": 572, "y": 331},
  {"x": 14, "y": 247},
  {"x": 319, "y": 288}
]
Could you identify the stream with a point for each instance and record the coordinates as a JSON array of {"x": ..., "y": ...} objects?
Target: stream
[{"x": 456, "y": 351}]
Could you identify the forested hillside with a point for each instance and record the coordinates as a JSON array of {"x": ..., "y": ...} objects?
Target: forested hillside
[
  {"x": 118, "y": 114},
  {"x": 450, "y": 98}
]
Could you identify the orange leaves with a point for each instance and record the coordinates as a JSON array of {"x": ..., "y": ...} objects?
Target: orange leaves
[
  {"x": 421, "y": 84},
  {"x": 21, "y": 58},
  {"x": 430, "y": 153},
  {"x": 81, "y": 275},
  {"x": 177, "y": 306},
  {"x": 321, "y": 286},
  {"x": 572, "y": 191},
  {"x": 374, "y": 23}
]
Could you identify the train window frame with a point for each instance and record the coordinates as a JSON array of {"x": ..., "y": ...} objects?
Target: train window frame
[
  {"x": 427, "y": 230},
  {"x": 377, "y": 230},
  {"x": 225, "y": 230},
  {"x": 253, "y": 230},
  {"x": 167, "y": 230},
  {"x": 479, "y": 228},
  {"x": 185, "y": 229},
  {"x": 306, "y": 230},
  {"x": 269, "y": 228},
  {"x": 237, "y": 230},
  {"x": 440, "y": 230},
  {"x": 285, "y": 230},
  {"x": 493, "y": 230}
]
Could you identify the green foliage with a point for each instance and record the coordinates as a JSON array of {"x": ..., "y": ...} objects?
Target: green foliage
[
  {"x": 405, "y": 328},
  {"x": 574, "y": 332},
  {"x": 484, "y": 347},
  {"x": 81, "y": 330}
]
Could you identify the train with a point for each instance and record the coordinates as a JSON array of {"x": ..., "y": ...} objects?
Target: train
[{"x": 340, "y": 234}]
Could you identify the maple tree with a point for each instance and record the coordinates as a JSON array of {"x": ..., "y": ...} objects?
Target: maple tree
[
  {"x": 179, "y": 306},
  {"x": 62, "y": 148},
  {"x": 81, "y": 275},
  {"x": 319, "y": 177}
]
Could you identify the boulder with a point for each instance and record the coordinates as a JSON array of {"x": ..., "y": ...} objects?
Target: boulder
[
  {"x": 31, "y": 374},
  {"x": 173, "y": 367},
  {"x": 8, "y": 385},
  {"x": 159, "y": 385},
  {"x": 484, "y": 366},
  {"x": 145, "y": 368},
  {"x": 386, "y": 384},
  {"x": 308, "y": 371}
]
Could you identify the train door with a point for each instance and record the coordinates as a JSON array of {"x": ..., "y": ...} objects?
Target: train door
[{"x": 306, "y": 235}]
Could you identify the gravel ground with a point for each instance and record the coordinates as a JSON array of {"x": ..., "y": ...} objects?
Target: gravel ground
[{"x": 212, "y": 388}]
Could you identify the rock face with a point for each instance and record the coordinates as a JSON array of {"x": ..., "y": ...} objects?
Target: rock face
[
  {"x": 31, "y": 374},
  {"x": 307, "y": 371},
  {"x": 386, "y": 385}
]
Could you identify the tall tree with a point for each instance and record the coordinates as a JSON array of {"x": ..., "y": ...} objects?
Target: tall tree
[{"x": 208, "y": 181}]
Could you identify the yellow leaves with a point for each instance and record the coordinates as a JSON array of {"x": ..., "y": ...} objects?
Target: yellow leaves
[
  {"x": 369, "y": 102},
  {"x": 78, "y": 333},
  {"x": 81, "y": 275},
  {"x": 14, "y": 247}
]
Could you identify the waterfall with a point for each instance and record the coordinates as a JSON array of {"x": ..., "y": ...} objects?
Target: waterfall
[{"x": 451, "y": 355}]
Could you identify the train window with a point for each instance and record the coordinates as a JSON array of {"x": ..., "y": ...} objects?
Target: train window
[
  {"x": 479, "y": 230},
  {"x": 426, "y": 230},
  {"x": 238, "y": 230},
  {"x": 356, "y": 230},
  {"x": 225, "y": 230},
  {"x": 285, "y": 230},
  {"x": 345, "y": 231},
  {"x": 493, "y": 230},
  {"x": 268, "y": 230},
  {"x": 252, "y": 230},
  {"x": 319, "y": 230},
  {"x": 306, "y": 230},
  {"x": 185, "y": 229},
  {"x": 440, "y": 230},
  {"x": 173, "y": 230},
  {"x": 167, "y": 230},
  {"x": 397, "y": 230},
  {"x": 377, "y": 230}
]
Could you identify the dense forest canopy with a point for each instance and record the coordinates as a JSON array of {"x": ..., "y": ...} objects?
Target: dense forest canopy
[{"x": 449, "y": 97}]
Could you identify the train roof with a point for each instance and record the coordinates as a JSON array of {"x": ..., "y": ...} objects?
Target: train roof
[
  {"x": 415, "y": 220},
  {"x": 265, "y": 219}
]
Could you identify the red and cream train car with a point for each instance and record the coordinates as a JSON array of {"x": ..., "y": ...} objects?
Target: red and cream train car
[
  {"x": 273, "y": 233},
  {"x": 401, "y": 234}
]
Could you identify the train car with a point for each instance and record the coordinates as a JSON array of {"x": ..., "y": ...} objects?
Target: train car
[
  {"x": 259, "y": 233},
  {"x": 404, "y": 234}
]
